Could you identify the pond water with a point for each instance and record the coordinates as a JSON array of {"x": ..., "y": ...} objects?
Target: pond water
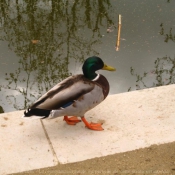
[{"x": 44, "y": 41}]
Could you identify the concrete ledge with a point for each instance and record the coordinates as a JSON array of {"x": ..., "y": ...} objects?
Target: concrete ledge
[
  {"x": 24, "y": 145},
  {"x": 131, "y": 121}
]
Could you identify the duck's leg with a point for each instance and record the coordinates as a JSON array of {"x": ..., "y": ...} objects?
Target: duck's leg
[
  {"x": 72, "y": 120},
  {"x": 93, "y": 126}
]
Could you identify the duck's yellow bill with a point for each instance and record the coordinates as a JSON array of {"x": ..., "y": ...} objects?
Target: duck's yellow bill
[{"x": 110, "y": 68}]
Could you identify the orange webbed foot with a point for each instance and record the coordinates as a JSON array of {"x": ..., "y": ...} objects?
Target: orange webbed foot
[
  {"x": 72, "y": 120},
  {"x": 93, "y": 126}
]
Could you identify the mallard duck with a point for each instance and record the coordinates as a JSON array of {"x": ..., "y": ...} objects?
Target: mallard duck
[{"x": 75, "y": 95}]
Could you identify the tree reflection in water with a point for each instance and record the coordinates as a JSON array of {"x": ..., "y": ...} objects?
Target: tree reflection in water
[
  {"x": 164, "y": 68},
  {"x": 46, "y": 36}
]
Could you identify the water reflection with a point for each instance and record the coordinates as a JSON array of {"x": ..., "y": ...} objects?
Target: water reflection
[
  {"x": 164, "y": 68},
  {"x": 50, "y": 40},
  {"x": 46, "y": 36},
  {"x": 162, "y": 74},
  {"x": 168, "y": 36},
  {"x": 1, "y": 109}
]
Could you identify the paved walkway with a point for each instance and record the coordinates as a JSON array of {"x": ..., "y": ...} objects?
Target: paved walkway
[{"x": 131, "y": 121}]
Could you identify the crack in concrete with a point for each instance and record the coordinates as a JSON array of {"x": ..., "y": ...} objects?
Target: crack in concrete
[{"x": 50, "y": 143}]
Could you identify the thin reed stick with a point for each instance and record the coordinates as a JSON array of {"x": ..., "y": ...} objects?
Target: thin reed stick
[{"x": 119, "y": 31}]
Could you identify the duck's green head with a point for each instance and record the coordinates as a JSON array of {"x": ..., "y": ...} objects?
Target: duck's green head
[{"x": 93, "y": 64}]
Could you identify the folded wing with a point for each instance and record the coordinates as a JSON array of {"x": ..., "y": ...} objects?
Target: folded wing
[{"x": 64, "y": 93}]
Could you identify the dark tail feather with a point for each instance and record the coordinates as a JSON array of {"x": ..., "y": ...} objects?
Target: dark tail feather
[{"x": 37, "y": 112}]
